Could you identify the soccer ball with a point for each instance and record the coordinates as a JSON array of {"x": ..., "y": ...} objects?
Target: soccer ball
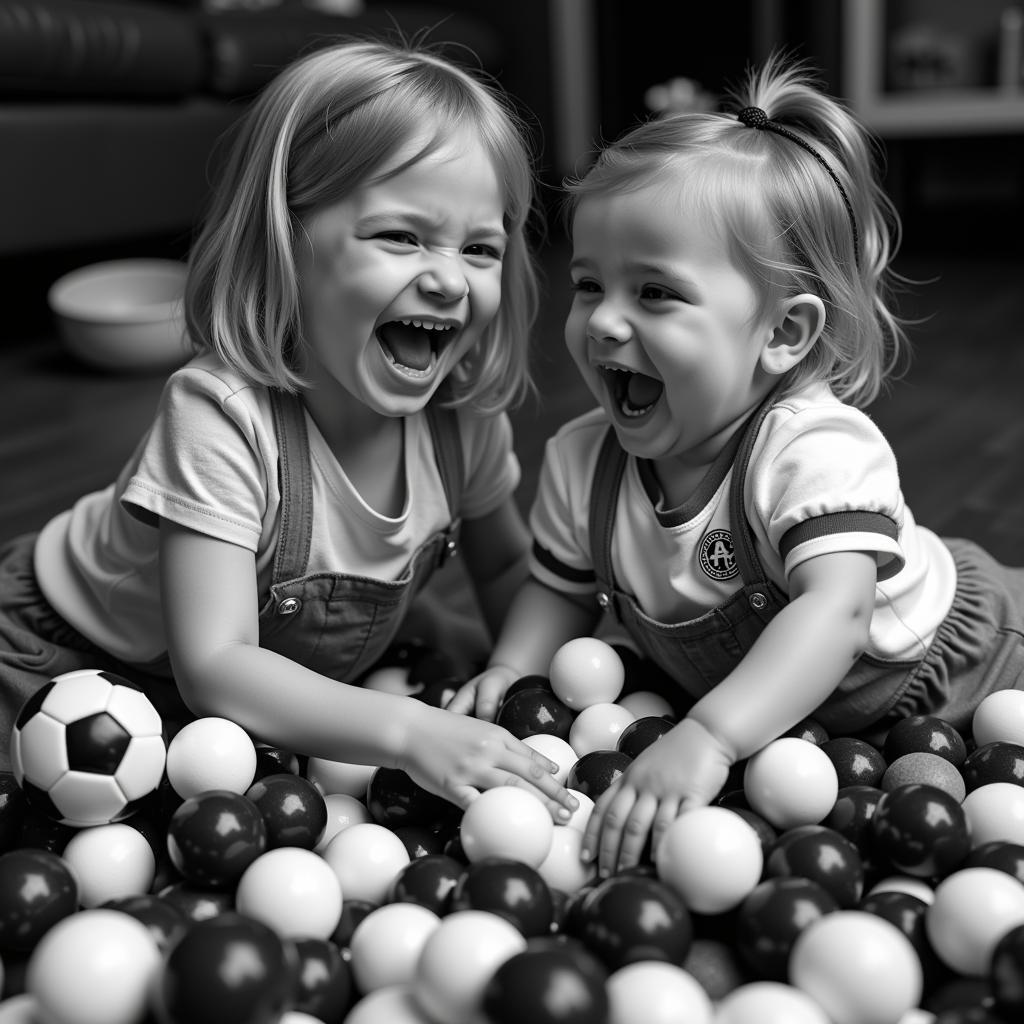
[{"x": 87, "y": 747}]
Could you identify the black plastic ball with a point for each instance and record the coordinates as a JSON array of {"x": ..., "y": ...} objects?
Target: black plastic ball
[
  {"x": 293, "y": 810},
  {"x": 593, "y": 773},
  {"x": 998, "y": 761},
  {"x": 640, "y": 734},
  {"x": 509, "y": 889},
  {"x": 533, "y": 713},
  {"x": 37, "y": 889},
  {"x": 324, "y": 986},
  {"x": 921, "y": 831},
  {"x": 925, "y": 734},
  {"x": 393, "y": 798},
  {"x": 821, "y": 855},
  {"x": 857, "y": 762},
  {"x": 428, "y": 881}
]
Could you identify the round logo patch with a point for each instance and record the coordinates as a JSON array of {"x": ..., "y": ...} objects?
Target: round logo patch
[{"x": 716, "y": 555}]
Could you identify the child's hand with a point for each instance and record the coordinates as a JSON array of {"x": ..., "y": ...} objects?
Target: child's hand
[
  {"x": 457, "y": 756},
  {"x": 687, "y": 767},
  {"x": 482, "y": 694}
]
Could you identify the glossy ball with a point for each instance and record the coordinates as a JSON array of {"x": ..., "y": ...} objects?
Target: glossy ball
[
  {"x": 907, "y": 913},
  {"x": 926, "y": 769},
  {"x": 419, "y": 840},
  {"x": 353, "y": 912},
  {"x": 598, "y": 727},
  {"x": 479, "y": 943},
  {"x": 920, "y": 734},
  {"x": 210, "y": 753},
  {"x": 791, "y": 782},
  {"x": 166, "y": 923},
  {"x": 509, "y": 888},
  {"x": 810, "y": 730},
  {"x": 994, "y": 762},
  {"x": 195, "y": 904},
  {"x": 342, "y": 810},
  {"x": 715, "y": 965},
  {"x": 857, "y": 762},
  {"x": 999, "y": 718},
  {"x": 110, "y": 861},
  {"x": 921, "y": 831},
  {"x": 627, "y": 918},
  {"x": 711, "y": 857},
  {"x": 906, "y": 884},
  {"x": 858, "y": 967},
  {"x": 647, "y": 704},
  {"x": 394, "y": 798},
  {"x": 323, "y": 987},
  {"x": 555, "y": 749},
  {"x": 823, "y": 856},
  {"x": 770, "y": 919},
  {"x": 1003, "y": 856},
  {"x": 507, "y": 821},
  {"x": 214, "y": 836},
  {"x": 996, "y": 812},
  {"x": 230, "y": 969},
  {"x": 528, "y": 682},
  {"x": 535, "y": 713},
  {"x": 94, "y": 967},
  {"x": 769, "y": 1002},
  {"x": 427, "y": 881},
  {"x": 586, "y": 671},
  {"x": 395, "y": 1005},
  {"x": 851, "y": 816},
  {"x": 293, "y": 891},
  {"x": 547, "y": 983},
  {"x": 1006, "y": 973},
  {"x": 12, "y": 811},
  {"x": 593, "y": 773},
  {"x": 274, "y": 760},
  {"x": 366, "y": 859},
  {"x": 563, "y": 869},
  {"x": 293, "y": 810},
  {"x": 972, "y": 910},
  {"x": 339, "y": 776},
  {"x": 37, "y": 889},
  {"x": 87, "y": 748},
  {"x": 656, "y": 992},
  {"x": 386, "y": 945},
  {"x": 639, "y": 734}
]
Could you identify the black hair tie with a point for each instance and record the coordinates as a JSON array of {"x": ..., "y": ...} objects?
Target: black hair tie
[{"x": 755, "y": 117}]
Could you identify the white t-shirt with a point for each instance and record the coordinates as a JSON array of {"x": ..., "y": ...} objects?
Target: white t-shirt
[
  {"x": 210, "y": 462},
  {"x": 821, "y": 479}
]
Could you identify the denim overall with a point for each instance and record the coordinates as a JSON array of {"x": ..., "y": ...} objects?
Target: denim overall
[
  {"x": 336, "y": 623},
  {"x": 978, "y": 647}
]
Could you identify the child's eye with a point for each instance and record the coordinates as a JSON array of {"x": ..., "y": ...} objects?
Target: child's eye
[
  {"x": 490, "y": 252},
  {"x": 655, "y": 291},
  {"x": 586, "y": 286},
  {"x": 401, "y": 237}
]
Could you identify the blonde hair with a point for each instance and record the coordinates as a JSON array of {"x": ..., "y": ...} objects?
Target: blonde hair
[
  {"x": 323, "y": 127},
  {"x": 783, "y": 216}
]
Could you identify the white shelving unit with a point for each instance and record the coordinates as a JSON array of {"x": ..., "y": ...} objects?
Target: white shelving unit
[{"x": 923, "y": 112}]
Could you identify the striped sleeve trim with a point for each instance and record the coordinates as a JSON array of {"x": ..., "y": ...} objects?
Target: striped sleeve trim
[
  {"x": 551, "y": 566},
  {"x": 859, "y": 531}
]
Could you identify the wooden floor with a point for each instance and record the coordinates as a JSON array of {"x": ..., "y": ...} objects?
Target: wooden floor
[{"x": 955, "y": 421}]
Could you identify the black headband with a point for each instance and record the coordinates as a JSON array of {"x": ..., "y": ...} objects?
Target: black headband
[{"x": 755, "y": 117}]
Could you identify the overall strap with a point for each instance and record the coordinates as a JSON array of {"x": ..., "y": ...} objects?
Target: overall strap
[
  {"x": 751, "y": 570},
  {"x": 604, "y": 493},
  {"x": 444, "y": 431},
  {"x": 296, "y": 485}
]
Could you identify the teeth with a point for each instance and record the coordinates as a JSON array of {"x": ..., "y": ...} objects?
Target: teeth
[{"x": 427, "y": 325}]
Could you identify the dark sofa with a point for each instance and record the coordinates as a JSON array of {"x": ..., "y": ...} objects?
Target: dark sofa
[{"x": 110, "y": 110}]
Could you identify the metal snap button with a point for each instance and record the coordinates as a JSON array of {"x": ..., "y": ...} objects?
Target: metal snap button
[
  {"x": 289, "y": 606},
  {"x": 758, "y": 601},
  {"x": 603, "y": 599}
]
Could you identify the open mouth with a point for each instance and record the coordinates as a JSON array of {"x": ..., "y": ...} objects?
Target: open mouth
[
  {"x": 414, "y": 345},
  {"x": 635, "y": 394}
]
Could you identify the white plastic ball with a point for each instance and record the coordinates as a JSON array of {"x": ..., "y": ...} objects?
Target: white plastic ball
[
  {"x": 21, "y": 1009},
  {"x": 342, "y": 811},
  {"x": 395, "y": 1005},
  {"x": 915, "y": 887},
  {"x": 711, "y": 857},
  {"x": 646, "y": 704},
  {"x": 458, "y": 959},
  {"x": 654, "y": 992},
  {"x": 995, "y": 811},
  {"x": 562, "y": 868},
  {"x": 860, "y": 968},
  {"x": 999, "y": 717},
  {"x": 366, "y": 858},
  {"x": 972, "y": 910},
  {"x": 507, "y": 821},
  {"x": 339, "y": 776},
  {"x": 586, "y": 671},
  {"x": 584, "y": 809},
  {"x": 391, "y": 679},
  {"x": 386, "y": 945},
  {"x": 292, "y": 890},
  {"x": 791, "y": 782},
  {"x": 210, "y": 753},
  {"x": 598, "y": 727},
  {"x": 94, "y": 967},
  {"x": 109, "y": 862},
  {"x": 769, "y": 1002},
  {"x": 555, "y": 749}
]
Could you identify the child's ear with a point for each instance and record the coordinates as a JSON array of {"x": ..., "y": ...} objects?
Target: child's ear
[{"x": 800, "y": 322}]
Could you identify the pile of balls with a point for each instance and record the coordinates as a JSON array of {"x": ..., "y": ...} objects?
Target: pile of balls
[{"x": 202, "y": 877}]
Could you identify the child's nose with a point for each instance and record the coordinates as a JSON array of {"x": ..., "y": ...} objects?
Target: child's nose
[
  {"x": 444, "y": 278},
  {"x": 607, "y": 324}
]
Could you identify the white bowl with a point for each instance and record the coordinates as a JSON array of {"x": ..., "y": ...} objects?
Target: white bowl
[{"x": 123, "y": 315}]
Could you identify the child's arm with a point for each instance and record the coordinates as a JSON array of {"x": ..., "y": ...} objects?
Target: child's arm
[
  {"x": 210, "y": 609},
  {"x": 795, "y": 664},
  {"x": 539, "y": 621}
]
